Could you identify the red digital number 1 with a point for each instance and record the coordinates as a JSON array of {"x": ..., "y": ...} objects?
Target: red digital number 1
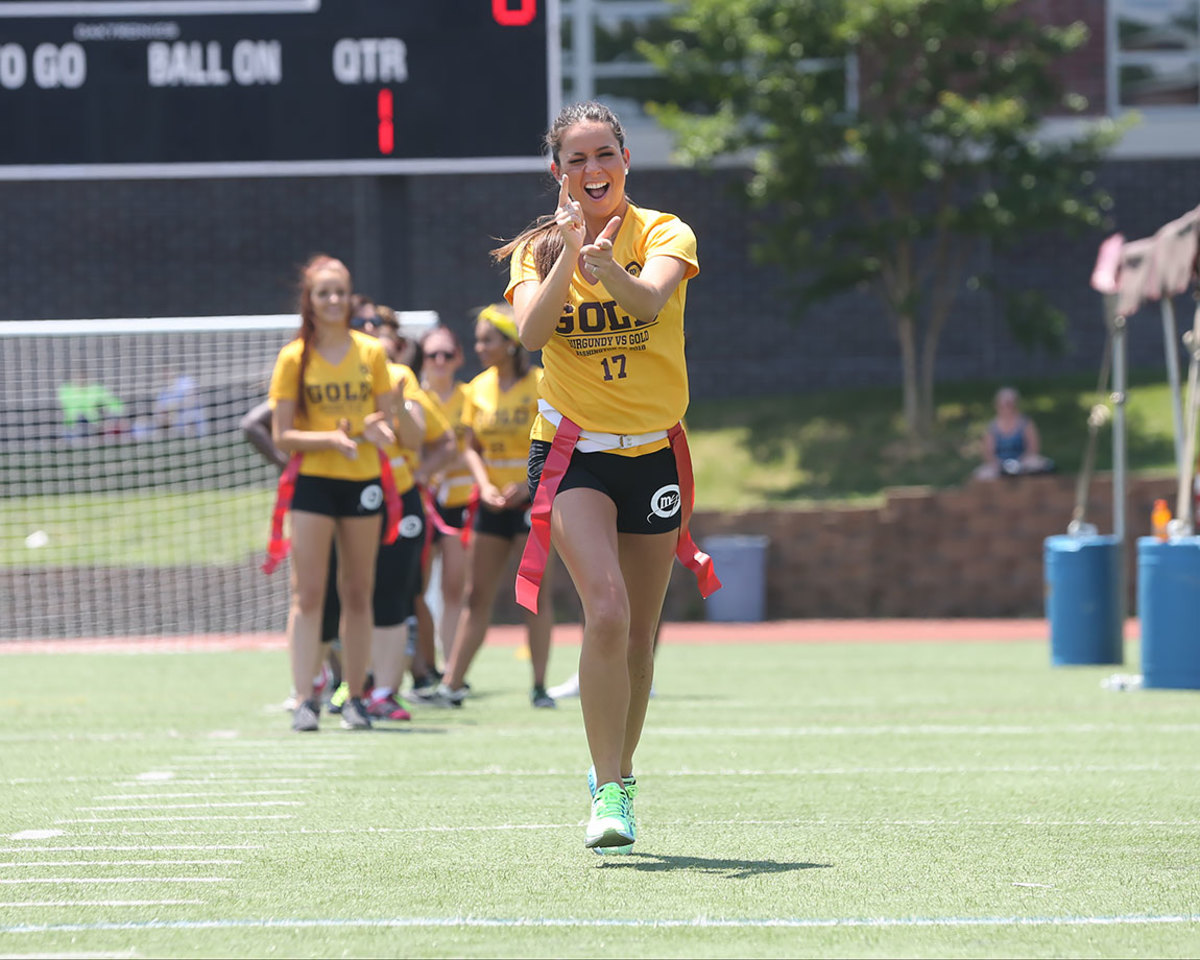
[
  {"x": 506, "y": 16},
  {"x": 387, "y": 129}
]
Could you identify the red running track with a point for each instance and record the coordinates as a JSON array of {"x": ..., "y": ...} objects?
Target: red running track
[{"x": 773, "y": 631}]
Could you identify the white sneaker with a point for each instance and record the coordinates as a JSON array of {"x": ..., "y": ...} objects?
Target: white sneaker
[
  {"x": 568, "y": 688},
  {"x": 443, "y": 696}
]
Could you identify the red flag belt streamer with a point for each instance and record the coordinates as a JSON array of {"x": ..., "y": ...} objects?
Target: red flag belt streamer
[
  {"x": 391, "y": 498},
  {"x": 434, "y": 518},
  {"x": 691, "y": 556},
  {"x": 537, "y": 547},
  {"x": 279, "y": 547},
  {"x": 469, "y": 517}
]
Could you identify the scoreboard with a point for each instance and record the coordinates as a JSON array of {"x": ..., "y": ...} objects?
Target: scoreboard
[{"x": 100, "y": 89}]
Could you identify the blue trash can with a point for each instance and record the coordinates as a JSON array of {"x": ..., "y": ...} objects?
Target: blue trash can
[
  {"x": 1169, "y": 609},
  {"x": 741, "y": 565},
  {"x": 1083, "y": 602}
]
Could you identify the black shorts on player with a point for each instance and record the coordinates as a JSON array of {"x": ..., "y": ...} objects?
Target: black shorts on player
[
  {"x": 332, "y": 497},
  {"x": 510, "y": 523},
  {"x": 453, "y": 517},
  {"x": 645, "y": 489},
  {"x": 398, "y": 567}
]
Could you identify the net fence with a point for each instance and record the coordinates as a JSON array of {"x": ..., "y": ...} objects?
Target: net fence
[{"x": 131, "y": 504}]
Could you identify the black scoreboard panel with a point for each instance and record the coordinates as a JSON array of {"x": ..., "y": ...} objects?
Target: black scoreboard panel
[{"x": 272, "y": 86}]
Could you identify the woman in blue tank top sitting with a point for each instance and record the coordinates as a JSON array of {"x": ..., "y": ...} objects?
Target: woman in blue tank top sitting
[{"x": 1011, "y": 443}]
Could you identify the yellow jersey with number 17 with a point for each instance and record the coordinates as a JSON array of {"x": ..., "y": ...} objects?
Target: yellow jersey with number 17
[
  {"x": 346, "y": 390},
  {"x": 604, "y": 369}
]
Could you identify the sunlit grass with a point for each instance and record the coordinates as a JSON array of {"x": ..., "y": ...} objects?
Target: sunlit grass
[{"x": 851, "y": 445}]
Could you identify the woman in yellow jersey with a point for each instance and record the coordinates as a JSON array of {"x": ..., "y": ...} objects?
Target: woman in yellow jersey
[
  {"x": 329, "y": 394},
  {"x": 398, "y": 570},
  {"x": 599, "y": 287},
  {"x": 500, "y": 405},
  {"x": 452, "y": 487}
]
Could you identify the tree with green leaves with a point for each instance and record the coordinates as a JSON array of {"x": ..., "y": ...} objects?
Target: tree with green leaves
[{"x": 890, "y": 141}]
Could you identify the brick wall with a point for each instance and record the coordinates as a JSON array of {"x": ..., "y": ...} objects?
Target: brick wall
[{"x": 975, "y": 551}]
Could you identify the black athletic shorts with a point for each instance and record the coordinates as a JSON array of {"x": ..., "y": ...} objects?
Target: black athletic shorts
[
  {"x": 337, "y": 498},
  {"x": 398, "y": 568},
  {"x": 645, "y": 489},
  {"x": 502, "y": 523},
  {"x": 397, "y": 573},
  {"x": 455, "y": 517}
]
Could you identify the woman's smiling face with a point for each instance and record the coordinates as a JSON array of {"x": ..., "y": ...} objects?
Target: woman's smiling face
[
  {"x": 595, "y": 165},
  {"x": 331, "y": 296}
]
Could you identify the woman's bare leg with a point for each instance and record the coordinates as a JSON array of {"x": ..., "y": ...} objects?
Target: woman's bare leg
[
  {"x": 454, "y": 573},
  {"x": 584, "y": 528},
  {"x": 646, "y": 561},
  {"x": 540, "y": 625},
  {"x": 312, "y": 535},
  {"x": 358, "y": 545},
  {"x": 487, "y": 560}
]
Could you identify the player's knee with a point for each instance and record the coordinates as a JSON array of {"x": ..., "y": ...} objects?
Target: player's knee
[
  {"x": 606, "y": 617},
  {"x": 356, "y": 596},
  {"x": 309, "y": 598}
]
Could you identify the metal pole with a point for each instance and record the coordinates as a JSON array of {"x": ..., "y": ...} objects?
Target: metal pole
[
  {"x": 1118, "y": 399},
  {"x": 1185, "y": 520},
  {"x": 1171, "y": 348},
  {"x": 583, "y": 40}
]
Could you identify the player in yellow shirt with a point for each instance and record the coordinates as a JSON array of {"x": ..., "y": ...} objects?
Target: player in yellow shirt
[
  {"x": 600, "y": 288},
  {"x": 452, "y": 487},
  {"x": 329, "y": 395},
  {"x": 398, "y": 570},
  {"x": 500, "y": 405}
]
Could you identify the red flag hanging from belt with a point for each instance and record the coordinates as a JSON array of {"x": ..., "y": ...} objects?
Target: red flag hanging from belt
[{"x": 537, "y": 547}]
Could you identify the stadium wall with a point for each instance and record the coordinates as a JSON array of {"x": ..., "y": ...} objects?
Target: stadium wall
[
  {"x": 976, "y": 551},
  {"x": 76, "y": 249}
]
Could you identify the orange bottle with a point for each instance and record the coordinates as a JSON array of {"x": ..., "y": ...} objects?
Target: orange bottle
[{"x": 1160, "y": 516}]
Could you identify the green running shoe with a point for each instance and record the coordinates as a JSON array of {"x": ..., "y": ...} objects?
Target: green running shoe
[
  {"x": 339, "y": 698},
  {"x": 630, "y": 784},
  {"x": 609, "y": 825}
]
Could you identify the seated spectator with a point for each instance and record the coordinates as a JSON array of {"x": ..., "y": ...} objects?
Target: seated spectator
[
  {"x": 178, "y": 407},
  {"x": 1011, "y": 445}
]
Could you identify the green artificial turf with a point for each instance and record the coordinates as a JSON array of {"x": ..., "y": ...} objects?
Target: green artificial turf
[{"x": 809, "y": 800}]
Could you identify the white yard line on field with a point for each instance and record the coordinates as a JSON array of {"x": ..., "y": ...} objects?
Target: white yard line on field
[
  {"x": 182, "y": 796},
  {"x": 807, "y": 822},
  {"x": 575, "y": 922},
  {"x": 955, "y": 769},
  {"x": 214, "y": 816},
  {"x": 120, "y": 863},
  {"x": 887, "y": 730},
  {"x": 196, "y": 806},
  {"x": 102, "y": 880},
  {"x": 85, "y": 955},
  {"x": 144, "y": 848},
  {"x": 100, "y": 903}
]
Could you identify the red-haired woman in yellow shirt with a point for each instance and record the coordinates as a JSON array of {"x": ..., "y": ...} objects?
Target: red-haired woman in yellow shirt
[{"x": 330, "y": 416}]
